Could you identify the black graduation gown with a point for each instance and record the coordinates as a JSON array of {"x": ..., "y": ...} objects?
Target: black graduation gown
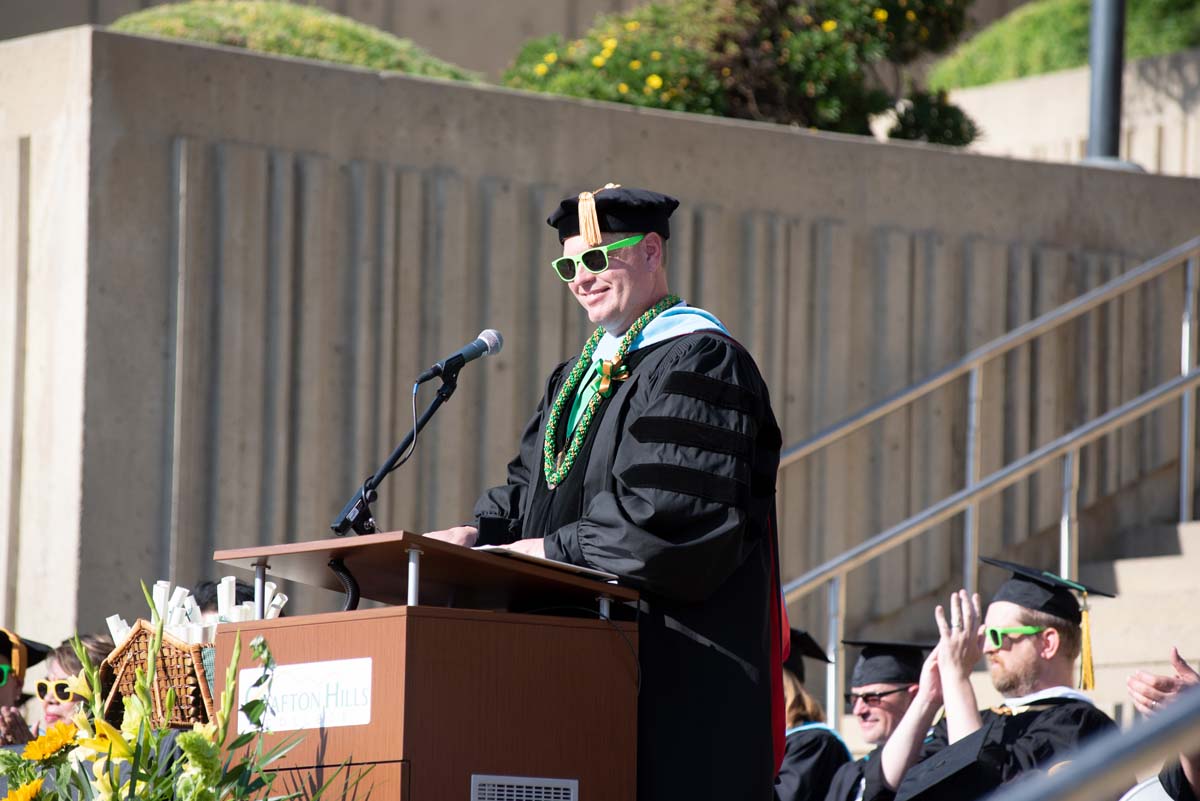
[
  {"x": 1036, "y": 737},
  {"x": 1175, "y": 782},
  {"x": 674, "y": 491},
  {"x": 812, "y": 758},
  {"x": 844, "y": 786}
]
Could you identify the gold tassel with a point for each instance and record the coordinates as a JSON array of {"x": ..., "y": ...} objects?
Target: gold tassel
[
  {"x": 1087, "y": 671},
  {"x": 589, "y": 223}
]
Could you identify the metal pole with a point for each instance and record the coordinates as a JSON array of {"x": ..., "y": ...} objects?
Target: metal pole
[
  {"x": 971, "y": 519},
  {"x": 414, "y": 575},
  {"x": 605, "y": 607},
  {"x": 260, "y": 590},
  {"x": 1107, "y": 60},
  {"x": 1068, "y": 524},
  {"x": 835, "y": 610},
  {"x": 1187, "y": 408}
]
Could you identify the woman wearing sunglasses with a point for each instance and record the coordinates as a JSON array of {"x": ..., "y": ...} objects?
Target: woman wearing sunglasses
[{"x": 58, "y": 702}]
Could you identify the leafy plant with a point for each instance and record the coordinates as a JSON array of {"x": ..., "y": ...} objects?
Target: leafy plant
[
  {"x": 289, "y": 29},
  {"x": 811, "y": 63},
  {"x": 89, "y": 759}
]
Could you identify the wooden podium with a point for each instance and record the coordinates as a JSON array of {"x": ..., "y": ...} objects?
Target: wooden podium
[{"x": 467, "y": 698}]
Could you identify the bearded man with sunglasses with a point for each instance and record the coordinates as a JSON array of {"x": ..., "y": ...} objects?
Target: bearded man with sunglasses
[
  {"x": 1031, "y": 637},
  {"x": 17, "y": 655},
  {"x": 653, "y": 456}
]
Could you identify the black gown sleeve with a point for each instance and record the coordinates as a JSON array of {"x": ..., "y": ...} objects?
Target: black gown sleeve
[
  {"x": 1175, "y": 782},
  {"x": 809, "y": 763},
  {"x": 498, "y": 511},
  {"x": 698, "y": 432}
]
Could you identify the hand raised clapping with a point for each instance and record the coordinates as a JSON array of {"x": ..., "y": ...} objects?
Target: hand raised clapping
[
  {"x": 1151, "y": 692},
  {"x": 961, "y": 643}
]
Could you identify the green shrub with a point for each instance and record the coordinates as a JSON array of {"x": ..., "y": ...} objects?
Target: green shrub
[
  {"x": 931, "y": 117},
  {"x": 797, "y": 62},
  {"x": 1050, "y": 35},
  {"x": 656, "y": 55},
  {"x": 291, "y": 30}
]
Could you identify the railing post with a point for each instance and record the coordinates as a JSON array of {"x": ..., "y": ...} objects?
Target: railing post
[
  {"x": 971, "y": 519},
  {"x": 1068, "y": 523},
  {"x": 1187, "y": 406},
  {"x": 835, "y": 613}
]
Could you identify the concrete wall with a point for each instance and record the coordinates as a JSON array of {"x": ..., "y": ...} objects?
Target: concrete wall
[
  {"x": 1046, "y": 117},
  {"x": 226, "y": 268},
  {"x": 482, "y": 35}
]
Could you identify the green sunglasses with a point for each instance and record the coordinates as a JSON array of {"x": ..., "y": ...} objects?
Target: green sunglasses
[
  {"x": 997, "y": 634},
  {"x": 594, "y": 260},
  {"x": 5, "y": 672}
]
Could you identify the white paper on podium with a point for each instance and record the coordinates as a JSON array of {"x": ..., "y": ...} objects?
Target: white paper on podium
[{"x": 586, "y": 572}]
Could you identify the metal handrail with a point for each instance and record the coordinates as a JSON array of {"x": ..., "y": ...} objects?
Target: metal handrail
[
  {"x": 985, "y": 353},
  {"x": 993, "y": 484},
  {"x": 834, "y": 572},
  {"x": 1103, "y": 767}
]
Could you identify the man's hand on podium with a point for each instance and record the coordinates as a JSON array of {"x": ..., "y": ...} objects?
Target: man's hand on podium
[
  {"x": 459, "y": 535},
  {"x": 531, "y": 547}
]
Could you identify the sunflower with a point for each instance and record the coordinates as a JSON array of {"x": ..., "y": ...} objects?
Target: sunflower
[
  {"x": 27, "y": 792},
  {"x": 59, "y": 736}
]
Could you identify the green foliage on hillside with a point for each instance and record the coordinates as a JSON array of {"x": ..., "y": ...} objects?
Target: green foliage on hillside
[
  {"x": 808, "y": 63},
  {"x": 291, "y": 30},
  {"x": 1049, "y": 35}
]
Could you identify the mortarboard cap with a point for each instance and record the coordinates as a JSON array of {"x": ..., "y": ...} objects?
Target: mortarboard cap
[
  {"x": 884, "y": 662},
  {"x": 613, "y": 209},
  {"x": 21, "y": 653},
  {"x": 1041, "y": 590},
  {"x": 803, "y": 645}
]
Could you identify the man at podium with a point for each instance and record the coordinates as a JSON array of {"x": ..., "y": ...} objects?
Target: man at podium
[{"x": 653, "y": 455}]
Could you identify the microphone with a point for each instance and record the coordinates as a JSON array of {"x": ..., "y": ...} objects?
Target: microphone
[{"x": 488, "y": 343}]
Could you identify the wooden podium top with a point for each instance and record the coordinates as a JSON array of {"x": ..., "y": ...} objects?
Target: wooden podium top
[{"x": 450, "y": 575}]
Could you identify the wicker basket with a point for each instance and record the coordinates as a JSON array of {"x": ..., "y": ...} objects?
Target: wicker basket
[{"x": 181, "y": 666}]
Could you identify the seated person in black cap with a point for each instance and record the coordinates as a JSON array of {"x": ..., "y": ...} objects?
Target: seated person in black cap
[
  {"x": 882, "y": 687},
  {"x": 1180, "y": 779},
  {"x": 1032, "y": 635},
  {"x": 16, "y": 656},
  {"x": 814, "y": 751},
  {"x": 653, "y": 456}
]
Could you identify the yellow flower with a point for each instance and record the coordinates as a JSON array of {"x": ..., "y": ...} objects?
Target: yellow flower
[
  {"x": 726, "y": 72},
  {"x": 610, "y": 43},
  {"x": 880, "y": 14},
  {"x": 54, "y": 740},
  {"x": 632, "y": 25},
  {"x": 829, "y": 25},
  {"x": 541, "y": 69},
  {"x": 654, "y": 81},
  {"x": 655, "y": 55},
  {"x": 550, "y": 57},
  {"x": 598, "y": 61},
  {"x": 108, "y": 739},
  {"x": 80, "y": 685},
  {"x": 26, "y": 793},
  {"x": 910, "y": 15},
  {"x": 665, "y": 96},
  {"x": 635, "y": 65},
  {"x": 623, "y": 88}
]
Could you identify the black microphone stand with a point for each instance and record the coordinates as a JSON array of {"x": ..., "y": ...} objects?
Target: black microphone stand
[{"x": 356, "y": 514}]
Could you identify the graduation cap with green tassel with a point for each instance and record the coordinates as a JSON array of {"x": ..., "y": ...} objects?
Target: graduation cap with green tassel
[{"x": 1044, "y": 591}]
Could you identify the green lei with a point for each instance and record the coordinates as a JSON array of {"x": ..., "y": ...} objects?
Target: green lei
[{"x": 554, "y": 468}]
